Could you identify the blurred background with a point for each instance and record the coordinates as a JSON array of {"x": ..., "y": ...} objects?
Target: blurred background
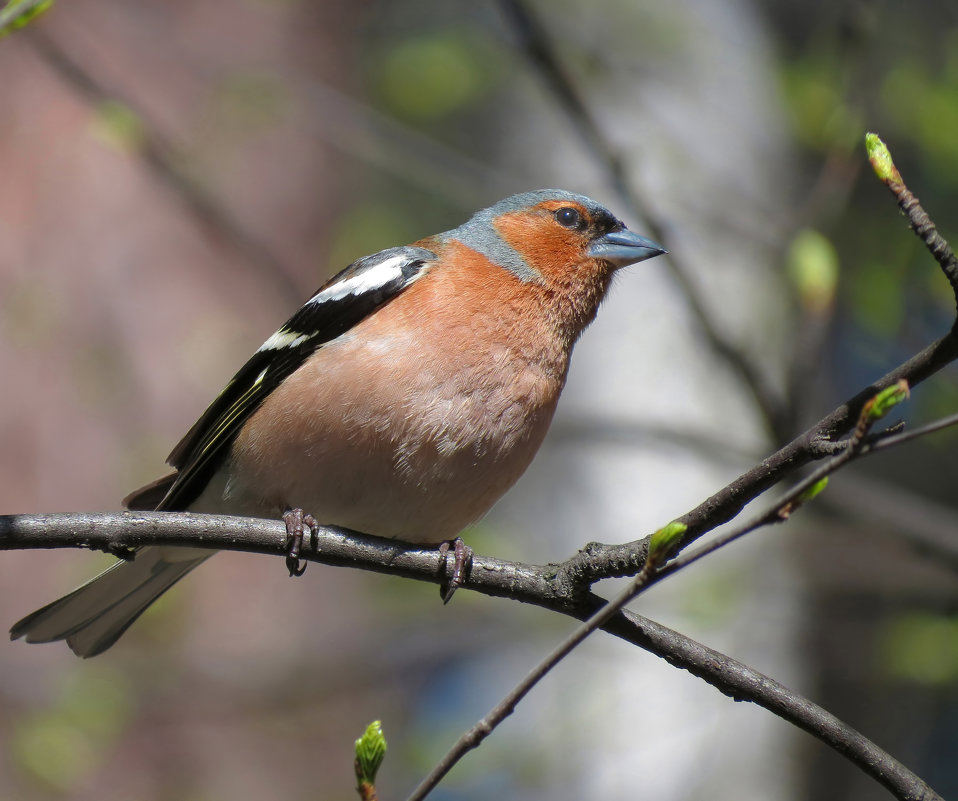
[{"x": 177, "y": 177}]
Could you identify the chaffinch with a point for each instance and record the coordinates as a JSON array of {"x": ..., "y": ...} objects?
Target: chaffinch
[{"x": 402, "y": 400}]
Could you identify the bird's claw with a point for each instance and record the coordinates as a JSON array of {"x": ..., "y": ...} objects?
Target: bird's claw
[
  {"x": 460, "y": 568},
  {"x": 296, "y": 524}
]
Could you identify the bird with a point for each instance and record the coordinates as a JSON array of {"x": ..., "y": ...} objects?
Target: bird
[{"x": 401, "y": 400}]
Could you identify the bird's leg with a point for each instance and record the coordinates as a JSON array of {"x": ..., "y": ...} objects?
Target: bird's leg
[
  {"x": 296, "y": 524},
  {"x": 461, "y": 566}
]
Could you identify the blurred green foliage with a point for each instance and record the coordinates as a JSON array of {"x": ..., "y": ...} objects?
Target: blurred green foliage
[
  {"x": 920, "y": 647},
  {"x": 877, "y": 290},
  {"x": 118, "y": 125},
  {"x": 717, "y": 598},
  {"x": 822, "y": 116},
  {"x": 251, "y": 101},
  {"x": 814, "y": 490},
  {"x": 835, "y": 88},
  {"x": 70, "y": 737},
  {"x": 813, "y": 269},
  {"x": 367, "y": 227},
  {"x": 922, "y": 100},
  {"x": 435, "y": 75},
  {"x": 14, "y": 17}
]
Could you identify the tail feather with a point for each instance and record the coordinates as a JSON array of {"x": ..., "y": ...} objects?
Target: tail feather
[
  {"x": 92, "y": 617},
  {"x": 149, "y": 497}
]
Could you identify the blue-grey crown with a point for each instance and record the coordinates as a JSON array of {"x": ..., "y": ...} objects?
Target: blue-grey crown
[{"x": 474, "y": 233}]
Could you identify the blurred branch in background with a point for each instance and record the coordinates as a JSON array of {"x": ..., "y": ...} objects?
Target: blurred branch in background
[
  {"x": 351, "y": 126},
  {"x": 384, "y": 143},
  {"x": 159, "y": 155},
  {"x": 899, "y": 515},
  {"x": 534, "y": 40}
]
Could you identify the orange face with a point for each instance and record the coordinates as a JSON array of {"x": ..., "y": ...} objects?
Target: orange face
[
  {"x": 554, "y": 238},
  {"x": 552, "y": 248}
]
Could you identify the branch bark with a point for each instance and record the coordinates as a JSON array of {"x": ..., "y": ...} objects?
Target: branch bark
[
  {"x": 597, "y": 561},
  {"x": 542, "y": 585}
]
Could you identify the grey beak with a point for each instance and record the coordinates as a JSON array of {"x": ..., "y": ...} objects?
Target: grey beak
[{"x": 623, "y": 248}]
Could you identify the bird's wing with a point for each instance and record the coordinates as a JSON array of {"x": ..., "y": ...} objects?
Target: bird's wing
[{"x": 350, "y": 296}]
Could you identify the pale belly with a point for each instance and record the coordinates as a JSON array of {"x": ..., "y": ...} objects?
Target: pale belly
[{"x": 405, "y": 456}]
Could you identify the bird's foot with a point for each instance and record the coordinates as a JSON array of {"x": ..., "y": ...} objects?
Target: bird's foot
[
  {"x": 297, "y": 522},
  {"x": 460, "y": 568}
]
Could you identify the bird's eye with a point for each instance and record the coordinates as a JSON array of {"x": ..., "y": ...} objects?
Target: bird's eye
[{"x": 568, "y": 217}]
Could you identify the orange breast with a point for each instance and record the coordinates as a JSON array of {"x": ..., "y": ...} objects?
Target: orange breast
[{"x": 415, "y": 422}]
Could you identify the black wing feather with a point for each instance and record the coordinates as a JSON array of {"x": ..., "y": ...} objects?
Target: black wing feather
[{"x": 200, "y": 452}]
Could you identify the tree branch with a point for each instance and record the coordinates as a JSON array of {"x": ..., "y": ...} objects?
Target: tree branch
[
  {"x": 905, "y": 785},
  {"x": 598, "y": 561},
  {"x": 918, "y": 219},
  {"x": 119, "y": 532},
  {"x": 160, "y": 156},
  {"x": 542, "y": 585}
]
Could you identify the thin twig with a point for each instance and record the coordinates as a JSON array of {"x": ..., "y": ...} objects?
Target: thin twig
[
  {"x": 482, "y": 729},
  {"x": 13, "y": 11},
  {"x": 918, "y": 219},
  {"x": 857, "y": 446},
  {"x": 598, "y": 561}
]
